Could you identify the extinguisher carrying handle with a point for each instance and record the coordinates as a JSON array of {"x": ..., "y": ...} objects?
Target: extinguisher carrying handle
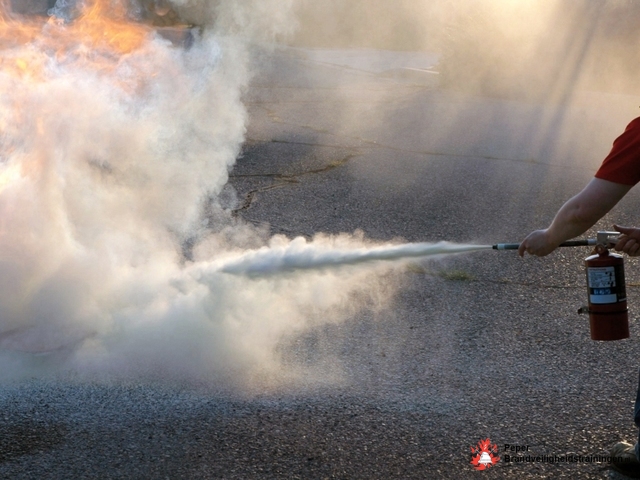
[
  {"x": 607, "y": 238},
  {"x": 570, "y": 243}
]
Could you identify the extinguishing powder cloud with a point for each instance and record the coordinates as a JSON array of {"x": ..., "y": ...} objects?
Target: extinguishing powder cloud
[{"x": 110, "y": 150}]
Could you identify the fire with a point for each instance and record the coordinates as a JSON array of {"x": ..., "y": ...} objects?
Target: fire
[
  {"x": 104, "y": 24},
  {"x": 13, "y": 33},
  {"x": 35, "y": 49},
  {"x": 100, "y": 31}
]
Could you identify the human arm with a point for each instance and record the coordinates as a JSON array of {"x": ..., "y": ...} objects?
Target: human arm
[{"x": 576, "y": 216}]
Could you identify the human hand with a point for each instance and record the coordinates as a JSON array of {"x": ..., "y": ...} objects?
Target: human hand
[
  {"x": 537, "y": 243},
  {"x": 629, "y": 241}
]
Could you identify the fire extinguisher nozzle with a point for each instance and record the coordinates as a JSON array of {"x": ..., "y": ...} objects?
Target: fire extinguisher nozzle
[{"x": 506, "y": 246}]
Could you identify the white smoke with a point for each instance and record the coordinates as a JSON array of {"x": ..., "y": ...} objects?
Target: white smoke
[{"x": 107, "y": 167}]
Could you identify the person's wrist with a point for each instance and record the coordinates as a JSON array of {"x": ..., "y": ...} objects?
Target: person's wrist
[{"x": 549, "y": 237}]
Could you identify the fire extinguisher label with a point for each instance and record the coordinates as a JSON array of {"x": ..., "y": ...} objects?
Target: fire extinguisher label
[{"x": 602, "y": 285}]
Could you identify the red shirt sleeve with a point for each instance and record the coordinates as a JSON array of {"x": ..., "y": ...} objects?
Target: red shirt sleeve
[{"x": 622, "y": 165}]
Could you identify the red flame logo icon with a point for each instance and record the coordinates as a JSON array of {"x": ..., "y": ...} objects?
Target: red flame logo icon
[{"x": 484, "y": 455}]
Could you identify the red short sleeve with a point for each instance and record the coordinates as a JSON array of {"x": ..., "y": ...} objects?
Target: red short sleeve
[{"x": 622, "y": 165}]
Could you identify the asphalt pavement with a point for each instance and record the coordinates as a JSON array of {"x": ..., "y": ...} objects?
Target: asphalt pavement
[{"x": 475, "y": 346}]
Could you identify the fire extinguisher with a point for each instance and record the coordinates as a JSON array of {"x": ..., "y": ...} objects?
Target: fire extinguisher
[{"x": 608, "y": 315}]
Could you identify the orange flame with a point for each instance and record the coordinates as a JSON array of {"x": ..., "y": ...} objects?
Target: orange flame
[
  {"x": 99, "y": 36},
  {"x": 102, "y": 31},
  {"x": 104, "y": 24}
]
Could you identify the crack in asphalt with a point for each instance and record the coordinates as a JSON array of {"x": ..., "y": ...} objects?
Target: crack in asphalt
[
  {"x": 285, "y": 179},
  {"x": 367, "y": 143},
  {"x": 251, "y": 194},
  {"x": 254, "y": 141}
]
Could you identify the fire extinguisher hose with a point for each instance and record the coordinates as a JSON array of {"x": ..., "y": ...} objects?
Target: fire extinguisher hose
[{"x": 570, "y": 243}]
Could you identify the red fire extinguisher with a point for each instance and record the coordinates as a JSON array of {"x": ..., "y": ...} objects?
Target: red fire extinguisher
[{"x": 608, "y": 317}]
